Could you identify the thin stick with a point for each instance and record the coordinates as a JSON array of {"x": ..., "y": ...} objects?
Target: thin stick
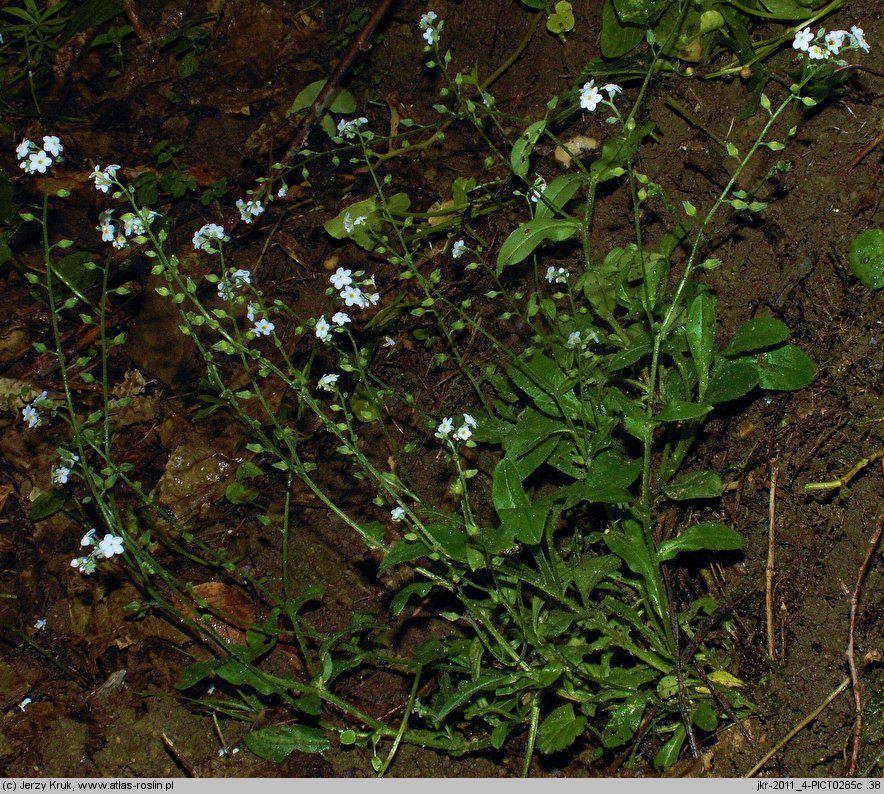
[
  {"x": 854, "y": 607},
  {"x": 842, "y": 481},
  {"x": 770, "y": 570},
  {"x": 799, "y": 727}
]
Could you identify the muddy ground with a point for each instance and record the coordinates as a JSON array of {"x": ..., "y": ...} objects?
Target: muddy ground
[{"x": 105, "y": 707}]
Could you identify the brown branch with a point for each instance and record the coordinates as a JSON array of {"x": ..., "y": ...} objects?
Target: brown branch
[{"x": 851, "y": 661}]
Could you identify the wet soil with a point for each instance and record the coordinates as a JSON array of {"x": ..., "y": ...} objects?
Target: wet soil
[{"x": 101, "y": 683}]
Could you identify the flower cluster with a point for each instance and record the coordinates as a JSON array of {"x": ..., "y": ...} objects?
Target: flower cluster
[
  {"x": 352, "y": 294},
  {"x": 37, "y": 160},
  {"x": 132, "y": 225},
  {"x": 249, "y": 209},
  {"x": 236, "y": 279},
  {"x": 30, "y": 414},
  {"x": 446, "y": 426},
  {"x": 62, "y": 472},
  {"x": 349, "y": 128},
  {"x": 104, "y": 179},
  {"x": 537, "y": 190},
  {"x": 105, "y": 548},
  {"x": 591, "y": 95},
  {"x": 821, "y": 46},
  {"x": 206, "y": 235},
  {"x": 430, "y": 28},
  {"x": 327, "y": 382},
  {"x": 458, "y": 249},
  {"x": 557, "y": 274}
]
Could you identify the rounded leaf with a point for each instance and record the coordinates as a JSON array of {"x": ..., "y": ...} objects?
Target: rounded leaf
[{"x": 866, "y": 258}]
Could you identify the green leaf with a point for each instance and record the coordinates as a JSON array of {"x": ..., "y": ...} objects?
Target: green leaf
[
  {"x": 695, "y": 485},
  {"x": 705, "y": 718},
  {"x": 235, "y": 672},
  {"x": 506, "y": 487},
  {"x": 866, "y": 258},
  {"x": 522, "y": 242},
  {"x": 196, "y": 672},
  {"x": 730, "y": 380},
  {"x": 624, "y": 722},
  {"x": 757, "y": 334},
  {"x": 708, "y": 536},
  {"x": 678, "y": 411},
  {"x": 617, "y": 150},
  {"x": 640, "y": 12},
  {"x": 451, "y": 539},
  {"x": 47, "y": 504},
  {"x": 557, "y": 194},
  {"x": 669, "y": 752},
  {"x": 591, "y": 571},
  {"x": 520, "y": 157},
  {"x": 276, "y": 742},
  {"x": 617, "y": 38},
  {"x": 562, "y": 19},
  {"x": 405, "y": 550},
  {"x": 420, "y": 589},
  {"x": 342, "y": 101},
  {"x": 786, "y": 368},
  {"x": 700, "y": 332},
  {"x": 560, "y": 729},
  {"x": 525, "y": 523}
]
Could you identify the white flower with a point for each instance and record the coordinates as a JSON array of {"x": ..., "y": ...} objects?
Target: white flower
[
  {"x": 282, "y": 192},
  {"x": 590, "y": 96},
  {"x": 39, "y": 162},
  {"x": 347, "y": 128},
  {"x": 458, "y": 249},
  {"x": 463, "y": 433},
  {"x": 397, "y": 513},
  {"x": 350, "y": 224},
  {"x": 388, "y": 341},
  {"x": 250, "y": 312},
  {"x": 263, "y": 328},
  {"x": 802, "y": 40},
  {"x": 427, "y": 20},
  {"x": 84, "y": 564},
  {"x": 352, "y": 296},
  {"x": 30, "y": 415},
  {"x": 816, "y": 52},
  {"x": 341, "y": 278},
  {"x": 206, "y": 234},
  {"x": 858, "y": 38},
  {"x": 373, "y": 299},
  {"x": 340, "y": 318},
  {"x": 25, "y": 703},
  {"x": 132, "y": 224},
  {"x": 322, "y": 329},
  {"x": 241, "y": 277},
  {"x": 445, "y": 427},
  {"x": 40, "y": 624},
  {"x": 537, "y": 191},
  {"x": 60, "y": 475},
  {"x": 327, "y": 382},
  {"x": 611, "y": 88},
  {"x": 468, "y": 420},
  {"x": 86, "y": 540},
  {"x": 104, "y": 179},
  {"x": 110, "y": 545},
  {"x": 108, "y": 232},
  {"x": 573, "y": 339},
  {"x": 23, "y": 149},
  {"x": 557, "y": 274},
  {"x": 835, "y": 40},
  {"x": 52, "y": 144},
  {"x": 249, "y": 209},
  {"x": 431, "y": 36}
]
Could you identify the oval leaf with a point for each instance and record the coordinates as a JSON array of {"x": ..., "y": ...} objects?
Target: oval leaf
[
  {"x": 730, "y": 380},
  {"x": 866, "y": 258},
  {"x": 757, "y": 334},
  {"x": 522, "y": 242},
  {"x": 787, "y": 368},
  {"x": 708, "y": 536},
  {"x": 695, "y": 485},
  {"x": 559, "y": 729},
  {"x": 276, "y": 742},
  {"x": 520, "y": 157}
]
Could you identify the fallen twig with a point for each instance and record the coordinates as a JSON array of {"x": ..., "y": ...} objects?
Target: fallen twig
[
  {"x": 851, "y": 661},
  {"x": 799, "y": 727},
  {"x": 841, "y": 482},
  {"x": 770, "y": 569}
]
